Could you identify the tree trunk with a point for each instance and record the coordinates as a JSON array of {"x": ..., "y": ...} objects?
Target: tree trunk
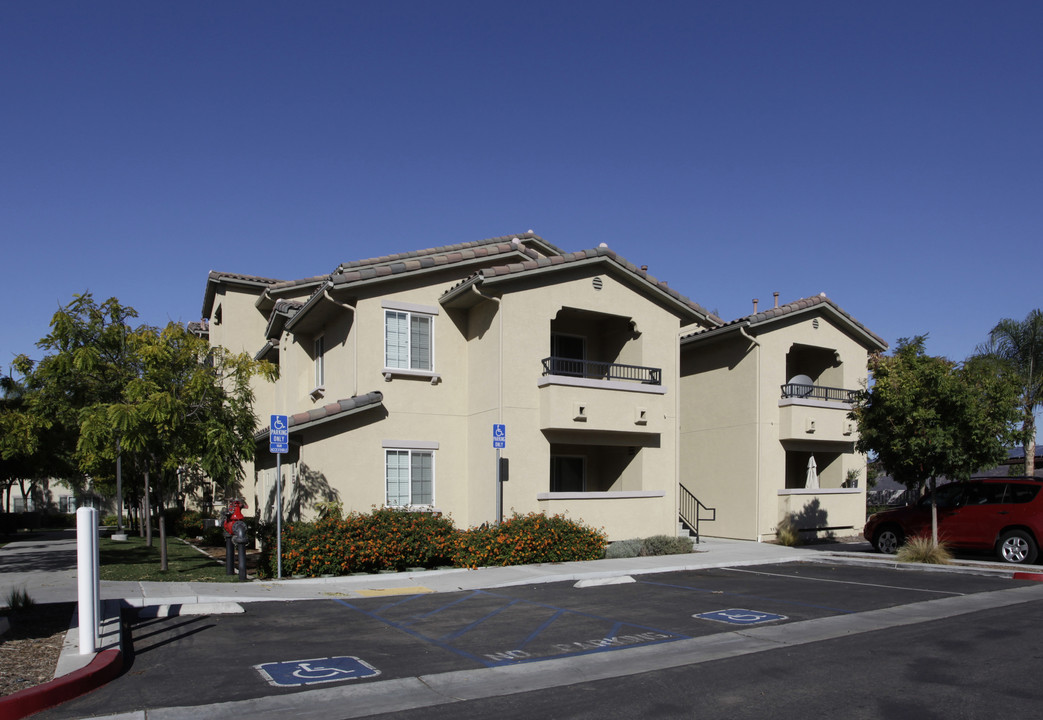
[
  {"x": 162, "y": 534},
  {"x": 1030, "y": 444},
  {"x": 934, "y": 514},
  {"x": 146, "y": 516}
]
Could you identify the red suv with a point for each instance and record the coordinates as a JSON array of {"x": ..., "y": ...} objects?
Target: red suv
[{"x": 1003, "y": 514}]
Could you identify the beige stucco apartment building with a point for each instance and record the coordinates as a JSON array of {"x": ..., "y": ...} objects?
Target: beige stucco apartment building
[{"x": 620, "y": 396}]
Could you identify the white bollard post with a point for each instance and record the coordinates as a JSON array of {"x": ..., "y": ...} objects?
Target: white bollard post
[{"x": 87, "y": 580}]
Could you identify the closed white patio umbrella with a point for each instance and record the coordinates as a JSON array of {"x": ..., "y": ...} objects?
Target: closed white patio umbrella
[{"x": 812, "y": 481}]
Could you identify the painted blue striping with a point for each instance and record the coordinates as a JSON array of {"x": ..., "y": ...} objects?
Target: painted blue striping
[
  {"x": 402, "y": 601},
  {"x": 448, "y": 605},
  {"x": 471, "y": 626},
  {"x": 574, "y": 612},
  {"x": 443, "y": 643},
  {"x": 419, "y": 636},
  {"x": 751, "y": 597},
  {"x": 543, "y": 626}
]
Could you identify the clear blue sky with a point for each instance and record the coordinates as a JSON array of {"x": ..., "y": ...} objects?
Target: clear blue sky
[{"x": 885, "y": 153}]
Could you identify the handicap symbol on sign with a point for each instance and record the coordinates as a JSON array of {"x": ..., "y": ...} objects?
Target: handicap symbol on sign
[
  {"x": 278, "y": 425},
  {"x": 499, "y": 431},
  {"x": 316, "y": 670}
]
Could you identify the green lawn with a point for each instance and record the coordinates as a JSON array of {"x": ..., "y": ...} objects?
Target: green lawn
[{"x": 132, "y": 560}]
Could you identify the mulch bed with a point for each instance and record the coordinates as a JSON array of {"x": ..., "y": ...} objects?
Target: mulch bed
[{"x": 29, "y": 650}]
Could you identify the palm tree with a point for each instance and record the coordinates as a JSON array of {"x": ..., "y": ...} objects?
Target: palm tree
[{"x": 1018, "y": 345}]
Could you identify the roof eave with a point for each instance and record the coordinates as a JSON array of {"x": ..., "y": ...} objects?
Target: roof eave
[
  {"x": 869, "y": 340},
  {"x": 681, "y": 307}
]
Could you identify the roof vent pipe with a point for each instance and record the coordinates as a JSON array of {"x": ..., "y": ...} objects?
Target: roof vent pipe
[
  {"x": 755, "y": 301},
  {"x": 776, "y": 293}
]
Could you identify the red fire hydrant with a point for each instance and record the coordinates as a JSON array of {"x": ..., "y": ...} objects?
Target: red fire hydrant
[{"x": 234, "y": 525}]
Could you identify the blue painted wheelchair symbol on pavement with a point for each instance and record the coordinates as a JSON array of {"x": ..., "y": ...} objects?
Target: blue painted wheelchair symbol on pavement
[
  {"x": 316, "y": 670},
  {"x": 738, "y": 616}
]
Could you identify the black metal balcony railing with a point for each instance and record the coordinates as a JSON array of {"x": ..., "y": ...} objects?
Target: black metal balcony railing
[
  {"x": 818, "y": 392},
  {"x": 591, "y": 370}
]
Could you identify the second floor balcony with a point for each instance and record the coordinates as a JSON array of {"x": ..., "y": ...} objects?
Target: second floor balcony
[
  {"x": 593, "y": 370},
  {"x": 818, "y": 392},
  {"x": 601, "y": 396},
  {"x": 816, "y": 412}
]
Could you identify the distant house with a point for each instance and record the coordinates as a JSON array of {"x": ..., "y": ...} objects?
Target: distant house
[{"x": 616, "y": 392}]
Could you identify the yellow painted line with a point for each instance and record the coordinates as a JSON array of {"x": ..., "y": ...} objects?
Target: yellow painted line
[{"x": 415, "y": 590}]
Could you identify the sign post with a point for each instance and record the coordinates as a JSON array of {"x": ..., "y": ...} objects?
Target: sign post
[
  {"x": 278, "y": 443},
  {"x": 499, "y": 441}
]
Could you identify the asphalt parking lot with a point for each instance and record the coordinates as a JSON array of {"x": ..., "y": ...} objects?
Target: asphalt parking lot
[{"x": 286, "y": 648}]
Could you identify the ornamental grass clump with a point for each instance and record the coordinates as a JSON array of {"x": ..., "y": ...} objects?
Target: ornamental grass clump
[
  {"x": 922, "y": 549},
  {"x": 786, "y": 533},
  {"x": 665, "y": 545},
  {"x": 623, "y": 549}
]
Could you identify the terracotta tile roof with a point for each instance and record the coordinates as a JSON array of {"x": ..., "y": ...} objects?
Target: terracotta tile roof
[
  {"x": 330, "y": 411},
  {"x": 409, "y": 262},
  {"x": 797, "y": 306},
  {"x": 232, "y": 277},
  {"x": 215, "y": 278},
  {"x": 281, "y": 313},
  {"x": 287, "y": 284},
  {"x": 538, "y": 263},
  {"x": 448, "y": 249}
]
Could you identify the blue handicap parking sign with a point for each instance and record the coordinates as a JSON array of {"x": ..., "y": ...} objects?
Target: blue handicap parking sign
[
  {"x": 317, "y": 670},
  {"x": 738, "y": 616}
]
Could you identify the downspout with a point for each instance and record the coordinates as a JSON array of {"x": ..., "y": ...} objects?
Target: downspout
[
  {"x": 354, "y": 344},
  {"x": 757, "y": 431},
  {"x": 499, "y": 370},
  {"x": 498, "y": 511}
]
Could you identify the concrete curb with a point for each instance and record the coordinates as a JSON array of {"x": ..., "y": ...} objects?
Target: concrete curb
[
  {"x": 75, "y": 674},
  {"x": 105, "y": 666}
]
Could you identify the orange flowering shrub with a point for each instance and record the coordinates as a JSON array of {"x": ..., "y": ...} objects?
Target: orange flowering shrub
[
  {"x": 386, "y": 539},
  {"x": 390, "y": 539},
  {"x": 525, "y": 539}
]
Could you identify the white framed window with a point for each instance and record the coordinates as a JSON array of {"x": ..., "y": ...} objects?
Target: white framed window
[
  {"x": 408, "y": 340},
  {"x": 410, "y": 476},
  {"x": 320, "y": 361}
]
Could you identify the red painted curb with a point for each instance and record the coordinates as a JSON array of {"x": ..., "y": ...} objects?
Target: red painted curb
[
  {"x": 105, "y": 666},
  {"x": 1038, "y": 577}
]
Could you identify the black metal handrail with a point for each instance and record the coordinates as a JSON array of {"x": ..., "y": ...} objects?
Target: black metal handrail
[
  {"x": 688, "y": 509},
  {"x": 591, "y": 370},
  {"x": 818, "y": 392}
]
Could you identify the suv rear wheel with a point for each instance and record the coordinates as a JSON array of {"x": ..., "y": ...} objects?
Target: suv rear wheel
[
  {"x": 888, "y": 539},
  {"x": 1017, "y": 546}
]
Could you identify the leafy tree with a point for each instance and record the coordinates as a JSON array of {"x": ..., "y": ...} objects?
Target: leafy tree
[
  {"x": 160, "y": 398},
  {"x": 24, "y": 438},
  {"x": 87, "y": 363},
  {"x": 927, "y": 417},
  {"x": 1016, "y": 347}
]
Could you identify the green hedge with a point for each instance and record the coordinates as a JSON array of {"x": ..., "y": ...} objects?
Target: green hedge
[{"x": 396, "y": 540}]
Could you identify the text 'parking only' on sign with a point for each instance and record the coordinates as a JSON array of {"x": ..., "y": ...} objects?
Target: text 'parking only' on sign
[
  {"x": 279, "y": 435},
  {"x": 315, "y": 671}
]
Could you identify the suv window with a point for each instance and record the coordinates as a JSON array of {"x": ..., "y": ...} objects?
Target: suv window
[
  {"x": 1022, "y": 492},
  {"x": 984, "y": 493},
  {"x": 946, "y": 496}
]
